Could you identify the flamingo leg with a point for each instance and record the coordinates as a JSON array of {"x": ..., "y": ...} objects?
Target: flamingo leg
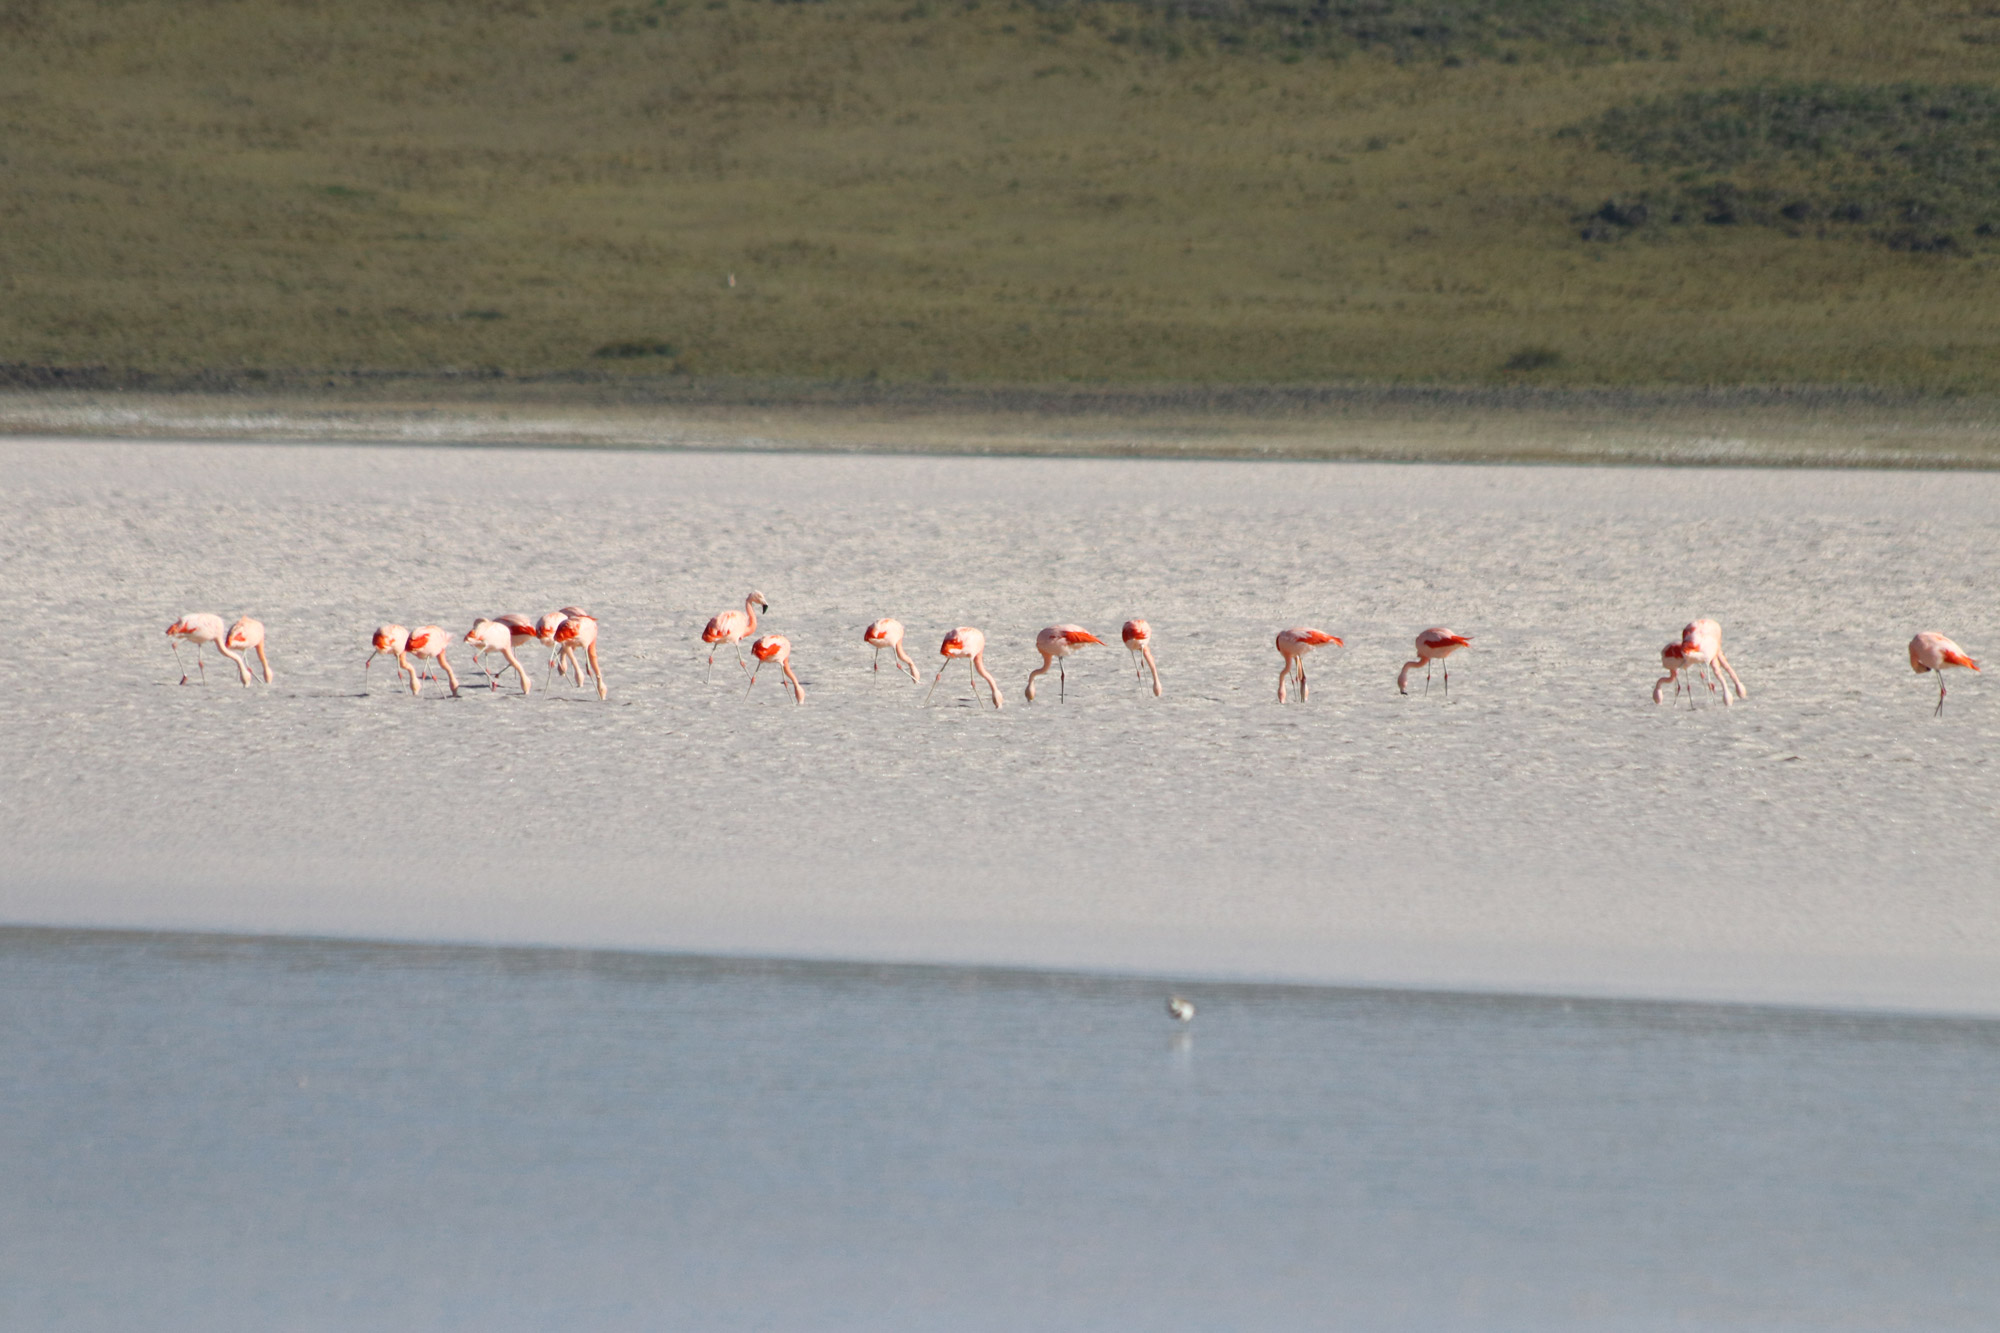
[
  {"x": 878, "y": 661},
  {"x": 177, "y": 660},
  {"x": 1284, "y": 678},
  {"x": 1447, "y": 682},
  {"x": 934, "y": 682},
  {"x": 1062, "y": 682},
  {"x": 710, "y": 677},
  {"x": 1302, "y": 680},
  {"x": 597, "y": 672},
  {"x": 1939, "y": 711},
  {"x": 753, "y": 681},
  {"x": 1427, "y": 677}
]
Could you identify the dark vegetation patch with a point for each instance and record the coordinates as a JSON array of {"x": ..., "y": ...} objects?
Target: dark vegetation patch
[
  {"x": 1533, "y": 358},
  {"x": 632, "y": 349},
  {"x": 1446, "y": 30},
  {"x": 1916, "y": 168},
  {"x": 1450, "y": 32}
]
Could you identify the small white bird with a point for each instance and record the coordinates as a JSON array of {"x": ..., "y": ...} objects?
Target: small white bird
[{"x": 1180, "y": 1007}]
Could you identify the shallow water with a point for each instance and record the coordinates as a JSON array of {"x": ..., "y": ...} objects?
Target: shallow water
[
  {"x": 222, "y": 1135},
  {"x": 1546, "y": 829}
]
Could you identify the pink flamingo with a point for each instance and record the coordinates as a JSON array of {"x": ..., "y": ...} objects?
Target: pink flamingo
[
  {"x": 734, "y": 627},
  {"x": 1701, "y": 648},
  {"x": 393, "y": 640},
  {"x": 888, "y": 633},
  {"x": 1293, "y": 645},
  {"x": 244, "y": 636},
  {"x": 775, "y": 648},
  {"x": 545, "y": 633},
  {"x": 1931, "y": 651},
  {"x": 578, "y": 634},
  {"x": 966, "y": 642},
  {"x": 1673, "y": 660},
  {"x": 429, "y": 641},
  {"x": 201, "y": 629},
  {"x": 1054, "y": 644},
  {"x": 1433, "y": 645},
  {"x": 492, "y": 636},
  {"x": 1138, "y": 637}
]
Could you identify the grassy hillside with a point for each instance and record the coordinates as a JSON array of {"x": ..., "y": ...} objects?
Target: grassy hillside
[{"x": 1187, "y": 190}]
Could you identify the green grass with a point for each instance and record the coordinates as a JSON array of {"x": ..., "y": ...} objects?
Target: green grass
[{"x": 1170, "y": 192}]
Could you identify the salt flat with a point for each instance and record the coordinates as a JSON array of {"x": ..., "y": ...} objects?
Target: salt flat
[{"x": 1548, "y": 829}]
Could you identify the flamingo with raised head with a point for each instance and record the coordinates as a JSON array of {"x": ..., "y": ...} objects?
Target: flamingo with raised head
[
  {"x": 1673, "y": 660},
  {"x": 1701, "y": 649},
  {"x": 774, "y": 648},
  {"x": 1054, "y": 644},
  {"x": 578, "y": 634},
  {"x": 888, "y": 633},
  {"x": 966, "y": 642},
  {"x": 430, "y": 642},
  {"x": 202, "y": 628},
  {"x": 1293, "y": 645},
  {"x": 733, "y": 627},
  {"x": 1433, "y": 645},
  {"x": 1931, "y": 651},
  {"x": 493, "y": 636},
  {"x": 1138, "y": 637}
]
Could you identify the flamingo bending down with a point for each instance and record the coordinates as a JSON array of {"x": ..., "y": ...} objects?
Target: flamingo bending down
[
  {"x": 1138, "y": 636},
  {"x": 888, "y": 633},
  {"x": 775, "y": 648},
  {"x": 578, "y": 634},
  {"x": 1293, "y": 645},
  {"x": 1433, "y": 645},
  {"x": 493, "y": 636},
  {"x": 1673, "y": 660},
  {"x": 1701, "y": 647},
  {"x": 965, "y": 642},
  {"x": 1054, "y": 644},
  {"x": 393, "y": 640},
  {"x": 1931, "y": 651},
  {"x": 201, "y": 629},
  {"x": 734, "y": 627},
  {"x": 244, "y": 636},
  {"x": 429, "y": 641}
]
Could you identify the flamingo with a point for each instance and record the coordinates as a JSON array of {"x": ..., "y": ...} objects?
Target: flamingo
[
  {"x": 1293, "y": 645},
  {"x": 431, "y": 642},
  {"x": 493, "y": 636},
  {"x": 1433, "y": 645},
  {"x": 965, "y": 642},
  {"x": 1701, "y": 647},
  {"x": 245, "y": 636},
  {"x": 1931, "y": 651},
  {"x": 888, "y": 633},
  {"x": 1138, "y": 636},
  {"x": 202, "y": 628},
  {"x": 775, "y": 648},
  {"x": 1054, "y": 644},
  {"x": 734, "y": 627},
  {"x": 578, "y": 633},
  {"x": 391, "y": 639},
  {"x": 1180, "y": 1008},
  {"x": 1673, "y": 660}
]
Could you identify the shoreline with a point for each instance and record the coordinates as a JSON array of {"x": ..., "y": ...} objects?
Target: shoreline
[
  {"x": 1824, "y": 427},
  {"x": 1776, "y": 1003}
]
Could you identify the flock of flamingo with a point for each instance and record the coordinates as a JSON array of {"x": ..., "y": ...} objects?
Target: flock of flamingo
[{"x": 570, "y": 636}]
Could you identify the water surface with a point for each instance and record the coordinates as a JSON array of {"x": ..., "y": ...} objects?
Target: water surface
[
  {"x": 1548, "y": 829},
  {"x": 225, "y": 1134}
]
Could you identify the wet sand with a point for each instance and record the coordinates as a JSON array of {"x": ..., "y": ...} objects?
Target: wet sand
[{"x": 1828, "y": 842}]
